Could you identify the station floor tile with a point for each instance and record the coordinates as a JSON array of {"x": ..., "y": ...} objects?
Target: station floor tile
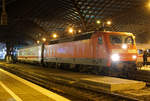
[{"x": 22, "y": 90}]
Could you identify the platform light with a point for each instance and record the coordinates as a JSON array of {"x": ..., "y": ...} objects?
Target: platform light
[
  {"x": 98, "y": 21},
  {"x": 44, "y": 39},
  {"x": 108, "y": 22},
  {"x": 37, "y": 41},
  {"x": 70, "y": 30},
  {"x": 148, "y": 4},
  {"x": 55, "y": 35},
  {"x": 79, "y": 31}
]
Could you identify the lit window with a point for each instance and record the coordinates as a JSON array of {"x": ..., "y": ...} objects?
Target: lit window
[{"x": 100, "y": 41}]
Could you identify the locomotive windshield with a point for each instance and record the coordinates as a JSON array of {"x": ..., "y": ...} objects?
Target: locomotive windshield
[{"x": 119, "y": 39}]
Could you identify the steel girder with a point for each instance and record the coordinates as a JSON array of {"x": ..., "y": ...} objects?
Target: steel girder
[{"x": 57, "y": 15}]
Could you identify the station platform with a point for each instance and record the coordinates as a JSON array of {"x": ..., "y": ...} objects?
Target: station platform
[
  {"x": 146, "y": 67},
  {"x": 78, "y": 79},
  {"x": 13, "y": 88},
  {"x": 113, "y": 84}
]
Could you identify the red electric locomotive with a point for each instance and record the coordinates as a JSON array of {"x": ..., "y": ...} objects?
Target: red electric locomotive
[{"x": 97, "y": 51}]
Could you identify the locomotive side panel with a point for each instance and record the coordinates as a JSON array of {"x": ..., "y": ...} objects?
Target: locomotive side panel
[
  {"x": 87, "y": 52},
  {"x": 100, "y": 54},
  {"x": 77, "y": 52}
]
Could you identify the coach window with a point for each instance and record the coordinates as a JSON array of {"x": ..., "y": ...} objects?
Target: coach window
[
  {"x": 129, "y": 40},
  {"x": 100, "y": 41}
]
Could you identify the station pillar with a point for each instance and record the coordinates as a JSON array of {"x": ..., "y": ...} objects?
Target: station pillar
[{"x": 9, "y": 55}]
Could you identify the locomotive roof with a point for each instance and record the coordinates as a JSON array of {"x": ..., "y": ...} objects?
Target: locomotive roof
[
  {"x": 119, "y": 33},
  {"x": 86, "y": 35},
  {"x": 26, "y": 47}
]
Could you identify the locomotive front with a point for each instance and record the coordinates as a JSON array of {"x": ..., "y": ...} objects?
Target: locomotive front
[{"x": 123, "y": 52}]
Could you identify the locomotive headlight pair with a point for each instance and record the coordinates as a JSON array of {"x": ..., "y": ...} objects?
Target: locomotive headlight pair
[{"x": 115, "y": 57}]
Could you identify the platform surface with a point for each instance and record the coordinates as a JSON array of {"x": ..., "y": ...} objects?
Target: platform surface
[
  {"x": 146, "y": 67},
  {"x": 13, "y": 88},
  {"x": 114, "y": 84}
]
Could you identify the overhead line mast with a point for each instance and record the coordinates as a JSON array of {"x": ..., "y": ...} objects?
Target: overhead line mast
[{"x": 3, "y": 14}]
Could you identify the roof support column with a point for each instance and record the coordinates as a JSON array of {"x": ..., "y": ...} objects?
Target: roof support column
[{"x": 9, "y": 50}]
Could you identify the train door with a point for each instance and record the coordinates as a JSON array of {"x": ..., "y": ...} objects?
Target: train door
[
  {"x": 100, "y": 49},
  {"x": 100, "y": 54}
]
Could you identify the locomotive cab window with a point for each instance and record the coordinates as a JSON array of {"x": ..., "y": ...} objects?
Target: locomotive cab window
[
  {"x": 119, "y": 39},
  {"x": 129, "y": 40},
  {"x": 115, "y": 39},
  {"x": 100, "y": 41}
]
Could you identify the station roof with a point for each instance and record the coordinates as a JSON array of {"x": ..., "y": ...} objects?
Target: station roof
[{"x": 33, "y": 19}]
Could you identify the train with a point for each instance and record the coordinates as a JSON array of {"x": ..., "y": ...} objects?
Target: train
[{"x": 105, "y": 52}]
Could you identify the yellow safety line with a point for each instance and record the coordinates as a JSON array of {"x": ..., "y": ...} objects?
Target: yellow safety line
[
  {"x": 46, "y": 92},
  {"x": 10, "y": 92}
]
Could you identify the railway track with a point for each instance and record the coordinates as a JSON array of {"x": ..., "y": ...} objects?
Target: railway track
[{"x": 71, "y": 90}]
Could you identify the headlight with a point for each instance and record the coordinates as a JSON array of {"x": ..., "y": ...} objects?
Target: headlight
[
  {"x": 134, "y": 56},
  {"x": 124, "y": 46},
  {"x": 115, "y": 57}
]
